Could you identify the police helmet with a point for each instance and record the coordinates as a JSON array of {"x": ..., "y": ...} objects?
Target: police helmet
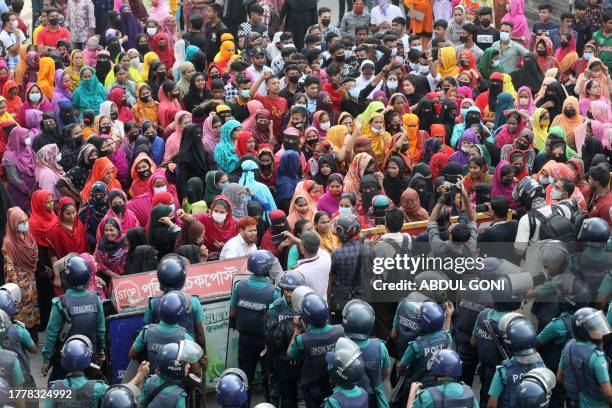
[
  {"x": 527, "y": 190},
  {"x": 589, "y": 324},
  {"x": 4, "y": 392},
  {"x": 172, "y": 307},
  {"x": 77, "y": 352},
  {"x": 76, "y": 274},
  {"x": 291, "y": 280},
  {"x": 431, "y": 317},
  {"x": 505, "y": 300},
  {"x": 535, "y": 388},
  {"x": 554, "y": 255},
  {"x": 521, "y": 338},
  {"x": 260, "y": 262},
  {"x": 4, "y": 318},
  {"x": 438, "y": 296},
  {"x": 298, "y": 296},
  {"x": 576, "y": 297},
  {"x": 232, "y": 388},
  {"x": 347, "y": 227},
  {"x": 171, "y": 274},
  {"x": 594, "y": 230},
  {"x": 264, "y": 405},
  {"x": 169, "y": 365},
  {"x": 118, "y": 396},
  {"x": 14, "y": 290},
  {"x": 445, "y": 363},
  {"x": 358, "y": 319},
  {"x": 7, "y": 304},
  {"x": 314, "y": 310},
  {"x": 345, "y": 365}
]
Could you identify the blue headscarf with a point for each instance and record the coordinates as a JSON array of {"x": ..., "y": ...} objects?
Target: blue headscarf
[
  {"x": 90, "y": 93},
  {"x": 288, "y": 174},
  {"x": 225, "y": 152},
  {"x": 505, "y": 102},
  {"x": 190, "y": 52},
  {"x": 261, "y": 191},
  {"x": 158, "y": 146}
]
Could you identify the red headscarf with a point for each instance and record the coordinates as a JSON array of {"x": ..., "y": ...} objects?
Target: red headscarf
[
  {"x": 125, "y": 112},
  {"x": 470, "y": 56},
  {"x": 99, "y": 169},
  {"x": 241, "y": 143},
  {"x": 166, "y": 56},
  {"x": 41, "y": 220},
  {"x": 436, "y": 163},
  {"x": 214, "y": 232},
  {"x": 22, "y": 251},
  {"x": 63, "y": 240},
  {"x": 165, "y": 198}
]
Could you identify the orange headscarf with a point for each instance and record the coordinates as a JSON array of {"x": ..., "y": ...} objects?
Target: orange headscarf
[
  {"x": 356, "y": 171},
  {"x": 46, "y": 76},
  {"x": 415, "y": 144},
  {"x": 140, "y": 186},
  {"x": 100, "y": 167},
  {"x": 295, "y": 215},
  {"x": 21, "y": 65}
]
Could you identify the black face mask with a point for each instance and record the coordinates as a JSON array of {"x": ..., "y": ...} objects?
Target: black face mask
[
  {"x": 54, "y": 21},
  {"x": 521, "y": 146},
  {"x": 517, "y": 169},
  {"x": 464, "y": 63},
  {"x": 463, "y": 38},
  {"x": 560, "y": 159},
  {"x": 569, "y": 112},
  {"x": 291, "y": 144},
  {"x": 485, "y": 22},
  {"x": 163, "y": 46},
  {"x": 293, "y": 79},
  {"x": 461, "y": 83},
  {"x": 145, "y": 99},
  {"x": 118, "y": 208},
  {"x": 266, "y": 167},
  {"x": 312, "y": 142},
  {"x": 49, "y": 128},
  {"x": 542, "y": 53},
  {"x": 144, "y": 174},
  {"x": 564, "y": 44},
  {"x": 114, "y": 115},
  {"x": 404, "y": 148},
  {"x": 105, "y": 129},
  {"x": 326, "y": 22},
  {"x": 339, "y": 58},
  {"x": 142, "y": 48}
]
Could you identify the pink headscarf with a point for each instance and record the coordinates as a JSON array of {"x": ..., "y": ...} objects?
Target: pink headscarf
[
  {"x": 249, "y": 123},
  {"x": 498, "y": 188},
  {"x": 530, "y": 107},
  {"x": 516, "y": 16}
]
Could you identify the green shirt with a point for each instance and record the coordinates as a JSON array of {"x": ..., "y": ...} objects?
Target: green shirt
[
  {"x": 141, "y": 340},
  {"x": 293, "y": 257},
  {"x": 556, "y": 330},
  {"x": 599, "y": 366},
  {"x": 76, "y": 382},
  {"x": 384, "y": 363},
  {"x": 605, "y": 289},
  {"x": 296, "y": 350},
  {"x": 499, "y": 381},
  {"x": 196, "y": 310},
  {"x": 414, "y": 351},
  {"x": 24, "y": 337},
  {"x": 354, "y": 392},
  {"x": 56, "y": 322},
  {"x": 451, "y": 390},
  {"x": 605, "y": 47},
  {"x": 256, "y": 282},
  {"x": 149, "y": 388}
]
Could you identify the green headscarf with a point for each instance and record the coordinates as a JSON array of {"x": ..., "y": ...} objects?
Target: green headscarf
[
  {"x": 485, "y": 64},
  {"x": 558, "y": 131},
  {"x": 211, "y": 187},
  {"x": 369, "y": 111},
  {"x": 225, "y": 152},
  {"x": 90, "y": 93}
]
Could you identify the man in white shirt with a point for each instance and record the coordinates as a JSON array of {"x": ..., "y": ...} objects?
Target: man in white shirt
[
  {"x": 258, "y": 67},
  {"x": 11, "y": 38},
  {"x": 244, "y": 243},
  {"x": 316, "y": 263},
  {"x": 382, "y": 15}
]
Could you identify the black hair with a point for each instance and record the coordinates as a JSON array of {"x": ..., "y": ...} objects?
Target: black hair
[
  {"x": 335, "y": 47},
  {"x": 352, "y": 197},
  {"x": 394, "y": 219},
  {"x": 5, "y": 17},
  {"x": 287, "y": 51},
  {"x": 507, "y": 24},
  {"x": 217, "y": 84},
  {"x": 578, "y": 5},
  {"x": 256, "y": 8},
  {"x": 298, "y": 56},
  {"x": 238, "y": 65},
  {"x": 361, "y": 28},
  {"x": 470, "y": 28},
  {"x": 600, "y": 174},
  {"x": 399, "y": 20},
  {"x": 196, "y": 22},
  {"x": 568, "y": 186},
  {"x": 320, "y": 214},
  {"x": 566, "y": 15},
  {"x": 217, "y": 8},
  {"x": 545, "y": 6},
  {"x": 389, "y": 37},
  {"x": 168, "y": 86},
  {"x": 17, "y": 5},
  {"x": 310, "y": 38},
  {"x": 330, "y": 36},
  {"x": 479, "y": 161},
  {"x": 485, "y": 11},
  {"x": 500, "y": 205},
  {"x": 441, "y": 23},
  {"x": 286, "y": 35},
  {"x": 298, "y": 227},
  {"x": 323, "y": 10},
  {"x": 310, "y": 79},
  {"x": 291, "y": 67},
  {"x": 607, "y": 15},
  {"x": 460, "y": 233},
  {"x": 117, "y": 68}
]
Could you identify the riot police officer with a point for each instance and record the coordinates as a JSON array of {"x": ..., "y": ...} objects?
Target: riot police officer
[
  {"x": 519, "y": 336},
  {"x": 171, "y": 275},
  {"x": 584, "y": 368},
  {"x": 78, "y": 311},
  {"x": 415, "y": 360},
  {"x": 311, "y": 346},
  {"x": 552, "y": 338},
  {"x": 119, "y": 396},
  {"x": 169, "y": 386},
  {"x": 154, "y": 336},
  {"x": 279, "y": 330},
  {"x": 358, "y": 322},
  {"x": 4, "y": 393},
  {"x": 248, "y": 304},
  {"x": 536, "y": 388},
  {"x": 232, "y": 388},
  {"x": 76, "y": 356},
  {"x": 345, "y": 367},
  {"x": 446, "y": 368},
  {"x": 10, "y": 369}
]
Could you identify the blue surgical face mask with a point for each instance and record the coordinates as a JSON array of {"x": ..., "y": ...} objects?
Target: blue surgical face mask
[
  {"x": 172, "y": 207},
  {"x": 495, "y": 63},
  {"x": 379, "y": 54},
  {"x": 504, "y": 37},
  {"x": 587, "y": 55},
  {"x": 301, "y": 105},
  {"x": 464, "y": 111},
  {"x": 345, "y": 211},
  {"x": 23, "y": 227},
  {"x": 223, "y": 185},
  {"x": 35, "y": 97},
  {"x": 354, "y": 92},
  {"x": 245, "y": 93},
  {"x": 161, "y": 189},
  {"x": 419, "y": 48}
]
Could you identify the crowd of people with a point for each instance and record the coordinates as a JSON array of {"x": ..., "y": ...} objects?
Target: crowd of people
[{"x": 132, "y": 132}]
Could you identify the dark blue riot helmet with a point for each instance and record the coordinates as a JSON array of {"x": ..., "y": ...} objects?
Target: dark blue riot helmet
[
  {"x": 260, "y": 262},
  {"x": 291, "y": 280},
  {"x": 314, "y": 310},
  {"x": 76, "y": 274},
  {"x": 445, "y": 363},
  {"x": 431, "y": 317},
  {"x": 232, "y": 388},
  {"x": 345, "y": 365},
  {"x": 172, "y": 307},
  {"x": 535, "y": 388},
  {"x": 171, "y": 274},
  {"x": 358, "y": 319},
  {"x": 118, "y": 396},
  {"x": 77, "y": 353}
]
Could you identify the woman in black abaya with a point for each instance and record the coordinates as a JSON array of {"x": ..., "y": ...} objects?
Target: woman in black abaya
[{"x": 299, "y": 15}]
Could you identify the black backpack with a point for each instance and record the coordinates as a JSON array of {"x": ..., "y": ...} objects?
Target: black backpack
[
  {"x": 578, "y": 216},
  {"x": 556, "y": 226}
]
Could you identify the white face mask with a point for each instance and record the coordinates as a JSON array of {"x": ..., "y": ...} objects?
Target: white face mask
[
  {"x": 546, "y": 180},
  {"x": 28, "y": 141},
  {"x": 423, "y": 69},
  {"x": 465, "y": 149},
  {"x": 161, "y": 189},
  {"x": 15, "y": 23},
  {"x": 392, "y": 84},
  {"x": 374, "y": 129},
  {"x": 419, "y": 48},
  {"x": 245, "y": 93},
  {"x": 23, "y": 227},
  {"x": 218, "y": 217},
  {"x": 151, "y": 31},
  {"x": 345, "y": 210},
  {"x": 555, "y": 194},
  {"x": 324, "y": 125},
  {"x": 135, "y": 62},
  {"x": 354, "y": 93},
  {"x": 58, "y": 157},
  {"x": 504, "y": 37}
]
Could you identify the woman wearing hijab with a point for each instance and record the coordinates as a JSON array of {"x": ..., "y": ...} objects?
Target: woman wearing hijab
[
  {"x": 301, "y": 208},
  {"x": 245, "y": 144},
  {"x": 90, "y": 93},
  {"x": 95, "y": 211},
  {"x": 117, "y": 208},
  {"x": 330, "y": 201},
  {"x": 157, "y": 76},
  {"x": 194, "y": 203},
  {"x": 168, "y": 103},
  {"x": 34, "y": 99},
  {"x": 181, "y": 120},
  {"x": 142, "y": 168},
  {"x": 504, "y": 103},
  {"x": 68, "y": 234},
  {"x": 19, "y": 162},
  {"x": 48, "y": 171},
  {"x": 569, "y": 119},
  {"x": 516, "y": 15},
  {"x": 195, "y": 99},
  {"x": 461, "y": 155},
  {"x": 141, "y": 205},
  {"x": 415, "y": 135},
  {"x": 225, "y": 153},
  {"x": 288, "y": 174},
  {"x": 553, "y": 99},
  {"x": 119, "y": 97},
  {"x": 503, "y": 183},
  {"x": 141, "y": 257},
  {"x": 219, "y": 226},
  {"x": 160, "y": 45},
  {"x": 145, "y": 108},
  {"x": 596, "y": 71},
  {"x": 46, "y": 76},
  {"x": 447, "y": 63},
  {"x": 20, "y": 257},
  {"x": 540, "y": 124},
  {"x": 191, "y": 159},
  {"x": 326, "y": 165},
  {"x": 10, "y": 91},
  {"x": 379, "y": 138},
  {"x": 361, "y": 164},
  {"x": 75, "y": 178},
  {"x": 211, "y": 136},
  {"x": 395, "y": 181},
  {"x": 162, "y": 231},
  {"x": 111, "y": 252},
  {"x": 61, "y": 91},
  {"x": 259, "y": 191},
  {"x": 102, "y": 170},
  {"x": 411, "y": 206},
  {"x": 130, "y": 26},
  {"x": 216, "y": 180},
  {"x": 490, "y": 63},
  {"x": 235, "y": 194}
]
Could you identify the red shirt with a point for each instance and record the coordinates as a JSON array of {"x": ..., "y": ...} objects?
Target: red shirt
[
  {"x": 276, "y": 106},
  {"x": 600, "y": 207},
  {"x": 50, "y": 38}
]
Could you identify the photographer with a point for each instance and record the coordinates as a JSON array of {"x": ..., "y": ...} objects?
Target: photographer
[{"x": 500, "y": 229}]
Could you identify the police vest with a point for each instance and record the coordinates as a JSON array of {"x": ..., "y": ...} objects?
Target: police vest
[
  {"x": 348, "y": 402},
  {"x": 577, "y": 375},
  {"x": 82, "y": 311},
  {"x": 316, "y": 347},
  {"x": 81, "y": 398},
  {"x": 440, "y": 400},
  {"x": 515, "y": 371},
  {"x": 488, "y": 353},
  {"x": 7, "y": 362},
  {"x": 429, "y": 346},
  {"x": 163, "y": 399},
  {"x": 408, "y": 327},
  {"x": 186, "y": 319},
  {"x": 252, "y": 304},
  {"x": 280, "y": 335},
  {"x": 9, "y": 340},
  {"x": 551, "y": 352},
  {"x": 156, "y": 339},
  {"x": 373, "y": 371},
  {"x": 591, "y": 271},
  {"x": 469, "y": 306}
]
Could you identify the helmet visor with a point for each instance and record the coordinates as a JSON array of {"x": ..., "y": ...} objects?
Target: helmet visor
[
  {"x": 545, "y": 377},
  {"x": 596, "y": 325},
  {"x": 189, "y": 351}
]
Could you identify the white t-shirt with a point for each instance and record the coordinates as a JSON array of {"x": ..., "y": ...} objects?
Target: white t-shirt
[
  {"x": 316, "y": 272},
  {"x": 255, "y": 74},
  {"x": 392, "y": 11},
  {"x": 522, "y": 235},
  {"x": 236, "y": 247},
  {"x": 9, "y": 39}
]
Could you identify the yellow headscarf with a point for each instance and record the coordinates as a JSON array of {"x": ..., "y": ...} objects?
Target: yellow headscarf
[
  {"x": 369, "y": 110},
  {"x": 509, "y": 86},
  {"x": 379, "y": 140},
  {"x": 227, "y": 37},
  {"x": 539, "y": 133},
  {"x": 46, "y": 76},
  {"x": 447, "y": 65},
  {"x": 21, "y": 65},
  {"x": 335, "y": 136},
  {"x": 6, "y": 116},
  {"x": 74, "y": 72},
  {"x": 149, "y": 57}
]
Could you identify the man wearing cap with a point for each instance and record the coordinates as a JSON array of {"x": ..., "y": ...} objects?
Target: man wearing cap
[{"x": 258, "y": 67}]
